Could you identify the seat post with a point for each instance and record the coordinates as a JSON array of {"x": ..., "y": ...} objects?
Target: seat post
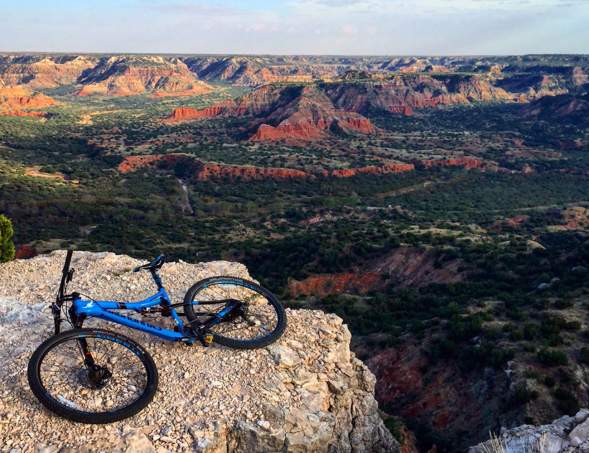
[{"x": 156, "y": 278}]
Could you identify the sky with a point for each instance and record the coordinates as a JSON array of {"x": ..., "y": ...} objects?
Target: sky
[{"x": 348, "y": 27}]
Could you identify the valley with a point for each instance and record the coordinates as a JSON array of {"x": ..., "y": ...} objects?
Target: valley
[{"x": 439, "y": 205}]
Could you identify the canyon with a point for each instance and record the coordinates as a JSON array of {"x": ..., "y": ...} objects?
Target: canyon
[
  {"x": 21, "y": 101},
  {"x": 291, "y": 113},
  {"x": 436, "y": 204}
]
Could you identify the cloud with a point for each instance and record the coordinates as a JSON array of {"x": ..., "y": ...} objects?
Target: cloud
[
  {"x": 423, "y": 6},
  {"x": 299, "y": 26}
]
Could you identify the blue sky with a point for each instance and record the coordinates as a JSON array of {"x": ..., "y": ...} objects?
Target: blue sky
[{"x": 394, "y": 27}]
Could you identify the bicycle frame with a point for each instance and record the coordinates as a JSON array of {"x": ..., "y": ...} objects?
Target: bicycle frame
[{"x": 103, "y": 309}]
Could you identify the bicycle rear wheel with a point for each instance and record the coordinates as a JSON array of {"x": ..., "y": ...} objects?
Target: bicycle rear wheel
[
  {"x": 92, "y": 376},
  {"x": 258, "y": 319}
]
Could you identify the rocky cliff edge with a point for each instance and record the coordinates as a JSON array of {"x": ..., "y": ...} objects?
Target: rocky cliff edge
[
  {"x": 307, "y": 392},
  {"x": 568, "y": 434}
]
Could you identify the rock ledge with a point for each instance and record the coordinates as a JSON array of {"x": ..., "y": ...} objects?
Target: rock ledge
[
  {"x": 306, "y": 392},
  {"x": 566, "y": 435}
]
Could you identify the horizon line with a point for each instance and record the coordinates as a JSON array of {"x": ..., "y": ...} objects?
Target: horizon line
[{"x": 292, "y": 54}]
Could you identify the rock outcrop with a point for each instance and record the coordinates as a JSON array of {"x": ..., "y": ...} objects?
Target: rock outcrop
[
  {"x": 126, "y": 76},
  {"x": 189, "y": 114},
  {"x": 38, "y": 72},
  {"x": 313, "y": 112},
  {"x": 405, "y": 93},
  {"x": 328, "y": 284},
  {"x": 404, "y": 266},
  {"x": 285, "y": 113},
  {"x": 305, "y": 393},
  {"x": 21, "y": 101},
  {"x": 257, "y": 71},
  {"x": 564, "y": 435},
  {"x": 458, "y": 406},
  {"x": 568, "y": 108},
  {"x": 204, "y": 171}
]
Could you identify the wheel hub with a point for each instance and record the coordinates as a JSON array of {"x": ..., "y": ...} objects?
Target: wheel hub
[{"x": 98, "y": 376}]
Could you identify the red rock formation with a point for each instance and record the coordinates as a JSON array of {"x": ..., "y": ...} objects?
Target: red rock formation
[
  {"x": 257, "y": 71},
  {"x": 411, "y": 266},
  {"x": 299, "y": 131},
  {"x": 439, "y": 395},
  {"x": 207, "y": 171},
  {"x": 188, "y": 113},
  {"x": 329, "y": 284},
  {"x": 134, "y": 163},
  {"x": 510, "y": 223},
  {"x": 16, "y": 101},
  {"x": 404, "y": 93},
  {"x": 132, "y": 75},
  {"x": 291, "y": 113},
  {"x": 44, "y": 71},
  {"x": 357, "y": 124},
  {"x": 304, "y": 113},
  {"x": 565, "y": 107}
]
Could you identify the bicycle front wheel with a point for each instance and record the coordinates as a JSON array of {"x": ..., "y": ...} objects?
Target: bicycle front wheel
[
  {"x": 92, "y": 376},
  {"x": 256, "y": 317}
]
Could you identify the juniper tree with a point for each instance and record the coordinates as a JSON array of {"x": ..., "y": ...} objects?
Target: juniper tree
[{"x": 6, "y": 244}]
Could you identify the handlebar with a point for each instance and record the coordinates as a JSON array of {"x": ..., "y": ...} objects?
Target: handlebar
[{"x": 153, "y": 267}]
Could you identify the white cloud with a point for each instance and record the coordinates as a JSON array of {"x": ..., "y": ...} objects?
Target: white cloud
[{"x": 304, "y": 26}]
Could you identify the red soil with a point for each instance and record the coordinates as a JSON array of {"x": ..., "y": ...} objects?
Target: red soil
[{"x": 328, "y": 284}]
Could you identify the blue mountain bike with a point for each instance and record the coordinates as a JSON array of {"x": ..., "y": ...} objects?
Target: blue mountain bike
[{"x": 98, "y": 376}]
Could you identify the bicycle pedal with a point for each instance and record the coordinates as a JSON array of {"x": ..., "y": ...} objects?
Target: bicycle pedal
[{"x": 208, "y": 339}]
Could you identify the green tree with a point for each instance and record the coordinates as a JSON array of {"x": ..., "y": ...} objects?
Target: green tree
[{"x": 6, "y": 244}]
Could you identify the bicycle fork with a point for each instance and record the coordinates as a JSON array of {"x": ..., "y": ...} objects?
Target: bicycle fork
[{"x": 98, "y": 375}]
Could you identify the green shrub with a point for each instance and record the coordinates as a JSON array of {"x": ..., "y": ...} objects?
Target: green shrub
[
  {"x": 552, "y": 357},
  {"x": 567, "y": 401},
  {"x": 395, "y": 426},
  {"x": 531, "y": 331},
  {"x": 465, "y": 328},
  {"x": 584, "y": 356},
  {"x": 6, "y": 245},
  {"x": 523, "y": 395}
]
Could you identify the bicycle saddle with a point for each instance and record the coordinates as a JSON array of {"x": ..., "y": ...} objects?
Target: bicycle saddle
[{"x": 154, "y": 265}]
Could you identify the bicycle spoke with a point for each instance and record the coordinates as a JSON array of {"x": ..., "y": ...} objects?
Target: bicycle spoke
[
  {"x": 257, "y": 319},
  {"x": 72, "y": 385}
]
